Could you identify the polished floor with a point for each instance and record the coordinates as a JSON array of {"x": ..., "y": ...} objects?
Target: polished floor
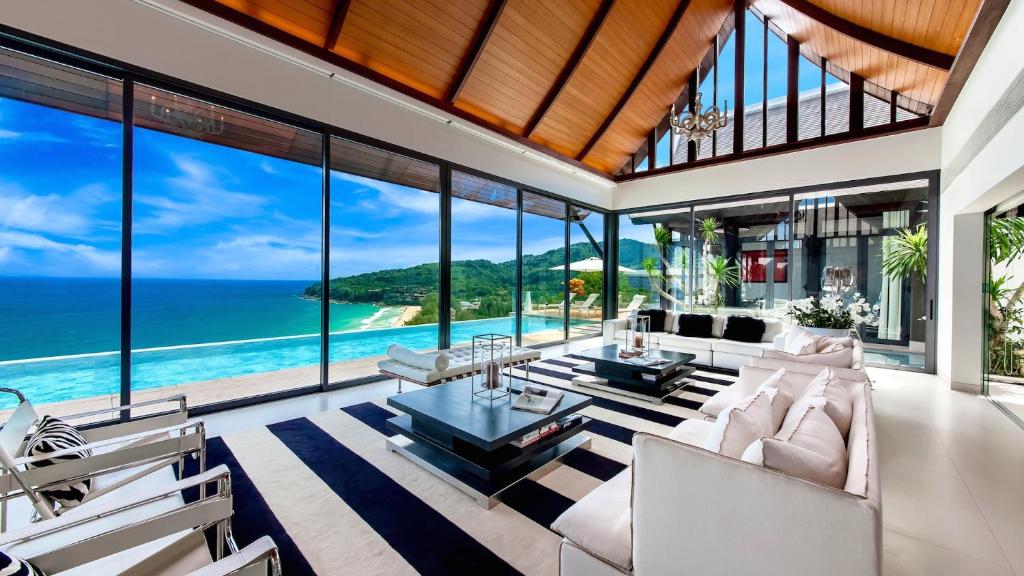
[{"x": 952, "y": 470}]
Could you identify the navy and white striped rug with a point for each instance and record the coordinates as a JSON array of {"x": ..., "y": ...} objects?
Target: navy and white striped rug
[{"x": 337, "y": 502}]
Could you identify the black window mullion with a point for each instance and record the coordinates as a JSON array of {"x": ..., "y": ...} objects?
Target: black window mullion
[
  {"x": 127, "y": 191},
  {"x": 444, "y": 265},
  {"x": 519, "y": 267},
  {"x": 325, "y": 261},
  {"x": 565, "y": 276}
]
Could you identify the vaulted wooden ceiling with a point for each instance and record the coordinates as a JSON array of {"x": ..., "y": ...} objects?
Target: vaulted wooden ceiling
[{"x": 587, "y": 80}]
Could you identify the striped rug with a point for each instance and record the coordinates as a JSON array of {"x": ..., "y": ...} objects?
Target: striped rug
[{"x": 337, "y": 502}]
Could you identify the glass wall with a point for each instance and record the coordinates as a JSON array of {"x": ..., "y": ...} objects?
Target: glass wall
[
  {"x": 654, "y": 260},
  {"x": 385, "y": 231},
  {"x": 586, "y": 271},
  {"x": 837, "y": 105},
  {"x": 876, "y": 111},
  {"x": 810, "y": 100},
  {"x": 226, "y": 243},
  {"x": 741, "y": 256},
  {"x": 1003, "y": 380},
  {"x": 778, "y": 71},
  {"x": 60, "y": 235},
  {"x": 753, "y": 82},
  {"x": 544, "y": 287},
  {"x": 483, "y": 251},
  {"x": 842, "y": 242}
]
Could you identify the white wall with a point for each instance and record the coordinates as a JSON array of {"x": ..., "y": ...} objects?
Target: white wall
[
  {"x": 995, "y": 174},
  {"x": 138, "y": 34},
  {"x": 883, "y": 156}
]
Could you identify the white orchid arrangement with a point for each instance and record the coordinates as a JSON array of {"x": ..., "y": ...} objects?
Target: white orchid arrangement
[{"x": 832, "y": 312}]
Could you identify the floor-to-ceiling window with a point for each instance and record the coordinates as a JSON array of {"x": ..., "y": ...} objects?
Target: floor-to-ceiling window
[
  {"x": 1003, "y": 379},
  {"x": 385, "y": 230},
  {"x": 226, "y": 242},
  {"x": 655, "y": 260},
  {"x": 870, "y": 244},
  {"x": 586, "y": 271},
  {"x": 544, "y": 287},
  {"x": 741, "y": 256},
  {"x": 483, "y": 252},
  {"x": 60, "y": 234}
]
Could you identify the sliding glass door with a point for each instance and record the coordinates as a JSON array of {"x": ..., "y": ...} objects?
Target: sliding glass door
[{"x": 544, "y": 287}]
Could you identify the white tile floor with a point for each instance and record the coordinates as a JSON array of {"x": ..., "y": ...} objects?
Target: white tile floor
[{"x": 952, "y": 470}]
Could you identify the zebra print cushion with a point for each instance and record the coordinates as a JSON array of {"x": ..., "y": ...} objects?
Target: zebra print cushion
[
  {"x": 11, "y": 566},
  {"x": 52, "y": 435}
]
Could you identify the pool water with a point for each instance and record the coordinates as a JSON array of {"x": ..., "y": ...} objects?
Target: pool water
[{"x": 66, "y": 378}]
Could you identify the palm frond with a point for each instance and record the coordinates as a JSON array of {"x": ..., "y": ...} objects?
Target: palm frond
[
  {"x": 707, "y": 228},
  {"x": 906, "y": 254},
  {"x": 725, "y": 272},
  {"x": 1006, "y": 239},
  {"x": 662, "y": 237}
]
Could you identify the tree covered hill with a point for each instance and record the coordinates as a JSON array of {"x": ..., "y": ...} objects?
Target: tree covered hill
[{"x": 471, "y": 279}]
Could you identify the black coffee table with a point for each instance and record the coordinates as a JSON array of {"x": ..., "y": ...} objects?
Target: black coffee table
[
  {"x": 468, "y": 442},
  {"x": 631, "y": 377}
]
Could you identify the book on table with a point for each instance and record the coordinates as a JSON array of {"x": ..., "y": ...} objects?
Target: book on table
[{"x": 537, "y": 399}]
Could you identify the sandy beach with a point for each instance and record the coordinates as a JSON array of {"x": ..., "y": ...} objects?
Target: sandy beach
[{"x": 408, "y": 313}]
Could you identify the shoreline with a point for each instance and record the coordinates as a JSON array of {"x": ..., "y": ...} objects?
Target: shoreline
[{"x": 396, "y": 316}]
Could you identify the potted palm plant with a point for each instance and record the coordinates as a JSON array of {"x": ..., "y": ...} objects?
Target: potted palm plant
[{"x": 905, "y": 255}]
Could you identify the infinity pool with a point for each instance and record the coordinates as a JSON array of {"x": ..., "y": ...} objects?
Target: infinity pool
[{"x": 72, "y": 377}]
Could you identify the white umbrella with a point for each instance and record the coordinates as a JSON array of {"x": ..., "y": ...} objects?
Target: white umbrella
[{"x": 592, "y": 264}]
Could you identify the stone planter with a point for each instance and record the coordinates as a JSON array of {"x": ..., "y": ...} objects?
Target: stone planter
[{"x": 830, "y": 332}]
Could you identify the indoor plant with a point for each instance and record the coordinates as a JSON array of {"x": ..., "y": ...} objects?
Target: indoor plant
[{"x": 830, "y": 316}]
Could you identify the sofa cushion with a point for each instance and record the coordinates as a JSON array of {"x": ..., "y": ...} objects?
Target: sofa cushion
[
  {"x": 772, "y": 328},
  {"x": 755, "y": 349},
  {"x": 833, "y": 344},
  {"x": 838, "y": 403},
  {"x": 800, "y": 341},
  {"x": 744, "y": 329},
  {"x": 839, "y": 359},
  {"x": 688, "y": 342},
  {"x": 657, "y": 319},
  {"x": 740, "y": 424},
  {"x": 695, "y": 325},
  {"x": 692, "y": 432},
  {"x": 717, "y": 326},
  {"x": 601, "y": 522},
  {"x": 813, "y": 450},
  {"x": 781, "y": 397}
]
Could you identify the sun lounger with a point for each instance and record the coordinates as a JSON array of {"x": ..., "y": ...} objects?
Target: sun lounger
[{"x": 430, "y": 368}]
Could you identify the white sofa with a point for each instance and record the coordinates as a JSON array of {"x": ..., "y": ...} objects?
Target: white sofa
[
  {"x": 712, "y": 351},
  {"x": 682, "y": 510}
]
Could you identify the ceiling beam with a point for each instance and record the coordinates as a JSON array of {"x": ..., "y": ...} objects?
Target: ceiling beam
[
  {"x": 317, "y": 50},
  {"x": 870, "y": 37},
  {"x": 337, "y": 22},
  {"x": 985, "y": 21},
  {"x": 483, "y": 33},
  {"x": 641, "y": 75},
  {"x": 582, "y": 47}
]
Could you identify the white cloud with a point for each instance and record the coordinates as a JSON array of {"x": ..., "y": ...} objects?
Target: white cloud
[
  {"x": 71, "y": 215},
  {"x": 9, "y": 134},
  {"x": 394, "y": 198},
  {"x": 194, "y": 197},
  {"x": 75, "y": 256}
]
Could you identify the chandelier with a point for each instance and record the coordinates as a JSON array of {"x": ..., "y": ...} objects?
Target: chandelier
[
  {"x": 197, "y": 121},
  {"x": 697, "y": 125}
]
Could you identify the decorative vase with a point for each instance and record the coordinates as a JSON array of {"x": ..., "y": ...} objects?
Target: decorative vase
[{"x": 830, "y": 332}]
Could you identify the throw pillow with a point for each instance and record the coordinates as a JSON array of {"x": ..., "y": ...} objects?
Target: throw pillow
[
  {"x": 814, "y": 450},
  {"x": 740, "y": 424},
  {"x": 404, "y": 355},
  {"x": 834, "y": 344},
  {"x": 695, "y": 325},
  {"x": 657, "y": 319},
  {"x": 717, "y": 326},
  {"x": 801, "y": 341},
  {"x": 744, "y": 329},
  {"x": 14, "y": 566},
  {"x": 772, "y": 328},
  {"x": 53, "y": 435},
  {"x": 781, "y": 397},
  {"x": 839, "y": 403}
]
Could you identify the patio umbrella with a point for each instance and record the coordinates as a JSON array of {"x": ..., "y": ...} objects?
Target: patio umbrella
[{"x": 592, "y": 264}]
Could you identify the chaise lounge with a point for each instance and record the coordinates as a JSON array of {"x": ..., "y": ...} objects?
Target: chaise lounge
[{"x": 432, "y": 368}]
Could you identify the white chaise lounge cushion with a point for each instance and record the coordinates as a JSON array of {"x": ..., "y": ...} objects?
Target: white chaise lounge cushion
[
  {"x": 740, "y": 424},
  {"x": 434, "y": 361},
  {"x": 601, "y": 522}
]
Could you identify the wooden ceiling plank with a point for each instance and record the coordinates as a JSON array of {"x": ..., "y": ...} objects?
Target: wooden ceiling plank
[
  {"x": 483, "y": 33},
  {"x": 582, "y": 47},
  {"x": 337, "y": 23},
  {"x": 666, "y": 34},
  {"x": 872, "y": 38}
]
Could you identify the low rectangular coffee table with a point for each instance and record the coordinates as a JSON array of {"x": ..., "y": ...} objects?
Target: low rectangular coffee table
[
  {"x": 468, "y": 442},
  {"x": 607, "y": 371}
]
